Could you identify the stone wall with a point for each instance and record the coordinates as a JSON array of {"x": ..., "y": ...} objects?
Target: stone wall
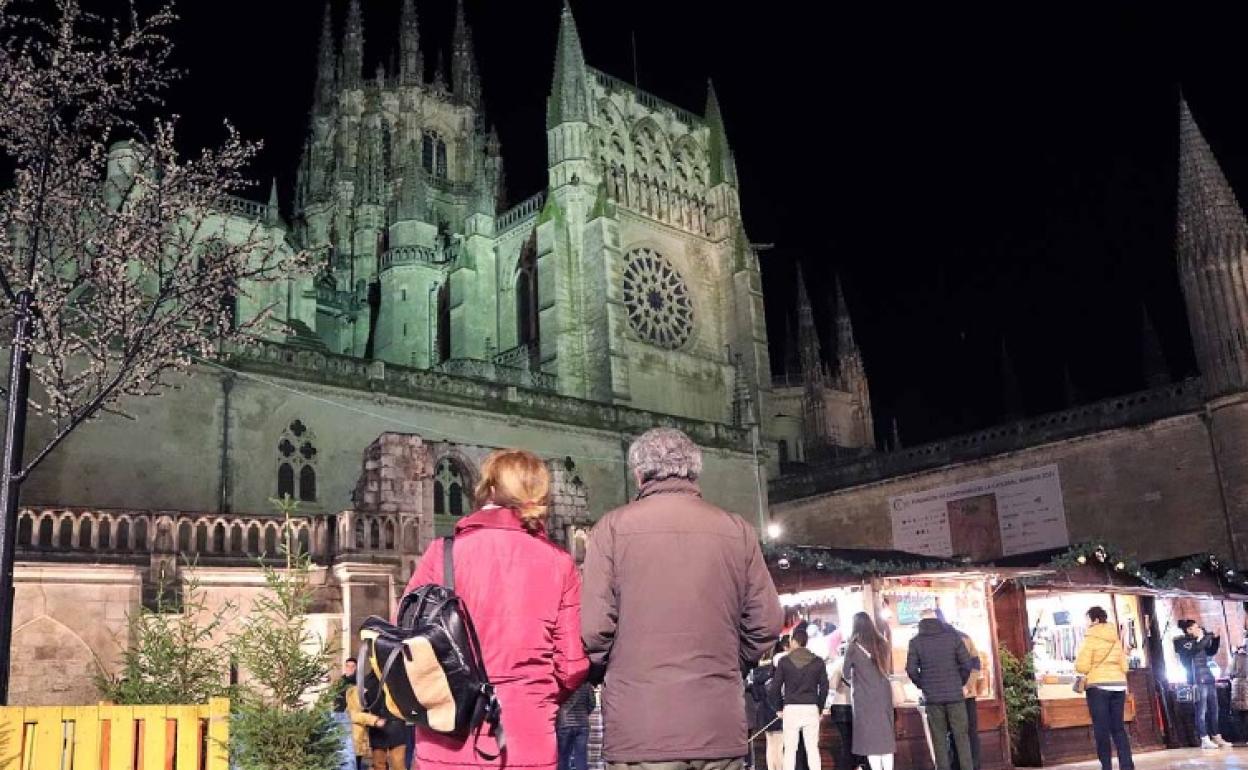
[
  {"x": 69, "y": 624},
  {"x": 187, "y": 451},
  {"x": 1151, "y": 489}
]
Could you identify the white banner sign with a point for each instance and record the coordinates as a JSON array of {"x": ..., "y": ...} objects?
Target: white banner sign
[{"x": 985, "y": 518}]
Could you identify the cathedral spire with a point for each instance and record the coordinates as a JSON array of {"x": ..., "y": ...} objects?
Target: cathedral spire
[
  {"x": 411, "y": 65},
  {"x": 326, "y": 80},
  {"x": 1212, "y": 244},
  {"x": 1152, "y": 357},
  {"x": 569, "y": 92},
  {"x": 845, "y": 343},
  {"x": 439, "y": 74},
  {"x": 353, "y": 47},
  {"x": 273, "y": 214},
  {"x": 1208, "y": 209},
  {"x": 464, "y": 78},
  {"x": 807, "y": 336},
  {"x": 723, "y": 166}
]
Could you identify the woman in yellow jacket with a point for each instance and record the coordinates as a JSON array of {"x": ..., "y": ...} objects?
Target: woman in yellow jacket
[
  {"x": 361, "y": 720},
  {"x": 1103, "y": 664}
]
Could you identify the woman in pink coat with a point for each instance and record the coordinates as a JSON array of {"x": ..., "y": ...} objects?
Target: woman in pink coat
[{"x": 524, "y": 595}]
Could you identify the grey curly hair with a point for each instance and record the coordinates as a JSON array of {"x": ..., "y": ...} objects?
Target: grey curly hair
[{"x": 665, "y": 453}]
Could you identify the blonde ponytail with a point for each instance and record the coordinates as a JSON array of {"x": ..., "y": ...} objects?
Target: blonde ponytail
[{"x": 518, "y": 480}]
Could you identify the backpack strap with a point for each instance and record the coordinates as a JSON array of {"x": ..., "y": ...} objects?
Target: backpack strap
[
  {"x": 492, "y": 717},
  {"x": 448, "y": 562}
]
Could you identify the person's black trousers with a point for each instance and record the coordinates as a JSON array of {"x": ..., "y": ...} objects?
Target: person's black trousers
[
  {"x": 1106, "y": 708},
  {"x": 972, "y": 728}
]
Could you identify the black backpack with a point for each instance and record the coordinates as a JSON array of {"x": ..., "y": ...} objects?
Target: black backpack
[{"x": 426, "y": 670}]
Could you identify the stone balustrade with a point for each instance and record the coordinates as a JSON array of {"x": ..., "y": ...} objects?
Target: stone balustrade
[
  {"x": 647, "y": 100},
  {"x": 109, "y": 534},
  {"x": 521, "y": 376},
  {"x": 521, "y": 212},
  {"x": 1119, "y": 412},
  {"x": 341, "y": 300},
  {"x": 249, "y": 209},
  {"x": 460, "y": 388},
  {"x": 417, "y": 255},
  {"x": 42, "y": 532}
]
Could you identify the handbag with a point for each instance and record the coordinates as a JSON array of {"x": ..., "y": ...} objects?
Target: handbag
[{"x": 1080, "y": 685}]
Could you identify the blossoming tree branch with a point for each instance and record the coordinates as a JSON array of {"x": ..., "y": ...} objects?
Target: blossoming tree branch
[{"x": 125, "y": 278}]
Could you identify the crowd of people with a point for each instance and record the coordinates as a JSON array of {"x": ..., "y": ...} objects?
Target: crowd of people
[
  {"x": 648, "y": 639},
  {"x": 647, "y": 646}
]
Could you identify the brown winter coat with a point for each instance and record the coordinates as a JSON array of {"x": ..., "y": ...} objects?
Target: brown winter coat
[{"x": 676, "y": 600}]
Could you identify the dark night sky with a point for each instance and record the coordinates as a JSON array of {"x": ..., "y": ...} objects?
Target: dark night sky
[{"x": 974, "y": 172}]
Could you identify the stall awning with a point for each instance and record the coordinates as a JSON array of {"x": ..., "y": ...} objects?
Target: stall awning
[
  {"x": 1200, "y": 574},
  {"x": 803, "y": 568}
]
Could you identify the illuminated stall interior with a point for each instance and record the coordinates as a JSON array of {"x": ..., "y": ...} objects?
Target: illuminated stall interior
[
  {"x": 824, "y": 588},
  {"x": 1058, "y": 625}
]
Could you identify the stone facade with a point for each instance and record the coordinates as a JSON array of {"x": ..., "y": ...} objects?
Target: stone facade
[{"x": 623, "y": 296}]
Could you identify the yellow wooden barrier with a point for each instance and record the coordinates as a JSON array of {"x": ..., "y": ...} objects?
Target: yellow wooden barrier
[{"x": 115, "y": 737}]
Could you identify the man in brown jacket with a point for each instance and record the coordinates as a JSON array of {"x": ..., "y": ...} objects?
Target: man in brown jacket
[{"x": 676, "y": 603}]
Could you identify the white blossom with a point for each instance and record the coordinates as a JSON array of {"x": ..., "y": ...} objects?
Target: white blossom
[{"x": 133, "y": 277}]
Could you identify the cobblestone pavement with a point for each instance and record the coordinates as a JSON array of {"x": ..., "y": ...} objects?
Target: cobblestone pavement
[{"x": 1177, "y": 759}]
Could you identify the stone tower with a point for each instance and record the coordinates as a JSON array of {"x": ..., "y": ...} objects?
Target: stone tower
[
  {"x": 648, "y": 286},
  {"x": 1212, "y": 246},
  {"x": 399, "y": 177}
]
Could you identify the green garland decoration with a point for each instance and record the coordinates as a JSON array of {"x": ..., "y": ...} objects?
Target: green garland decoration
[
  {"x": 1094, "y": 552},
  {"x": 826, "y": 560},
  {"x": 1099, "y": 552}
]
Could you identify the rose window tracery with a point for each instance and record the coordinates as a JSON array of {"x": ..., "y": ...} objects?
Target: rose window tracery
[{"x": 657, "y": 299}]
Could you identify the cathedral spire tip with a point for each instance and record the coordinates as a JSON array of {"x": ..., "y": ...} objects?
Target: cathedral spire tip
[
  {"x": 569, "y": 91},
  {"x": 1208, "y": 208}
]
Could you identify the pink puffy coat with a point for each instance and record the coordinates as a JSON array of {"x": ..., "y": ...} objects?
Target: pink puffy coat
[{"x": 524, "y": 595}]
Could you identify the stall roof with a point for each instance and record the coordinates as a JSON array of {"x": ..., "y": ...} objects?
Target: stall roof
[
  {"x": 798, "y": 567},
  {"x": 1201, "y": 573},
  {"x": 1097, "y": 574}
]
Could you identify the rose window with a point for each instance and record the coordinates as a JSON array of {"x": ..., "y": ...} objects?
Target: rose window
[{"x": 657, "y": 300}]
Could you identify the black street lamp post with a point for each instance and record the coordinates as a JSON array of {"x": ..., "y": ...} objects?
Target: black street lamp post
[{"x": 11, "y": 475}]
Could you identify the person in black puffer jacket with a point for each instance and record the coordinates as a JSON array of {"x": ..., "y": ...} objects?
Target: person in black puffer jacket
[
  {"x": 1196, "y": 649},
  {"x": 939, "y": 664},
  {"x": 801, "y": 683}
]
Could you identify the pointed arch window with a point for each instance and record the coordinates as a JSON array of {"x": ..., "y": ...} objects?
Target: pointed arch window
[
  {"x": 433, "y": 154},
  {"x": 451, "y": 495},
  {"x": 440, "y": 172},
  {"x": 527, "y": 319},
  {"x": 426, "y": 151},
  {"x": 444, "y": 322},
  {"x": 297, "y": 463}
]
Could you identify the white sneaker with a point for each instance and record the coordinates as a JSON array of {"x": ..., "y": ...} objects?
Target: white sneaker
[
  {"x": 1222, "y": 742},
  {"x": 1206, "y": 743}
]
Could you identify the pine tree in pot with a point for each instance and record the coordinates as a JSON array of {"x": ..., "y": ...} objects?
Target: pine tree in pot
[
  {"x": 282, "y": 716},
  {"x": 1022, "y": 702},
  {"x": 172, "y": 655}
]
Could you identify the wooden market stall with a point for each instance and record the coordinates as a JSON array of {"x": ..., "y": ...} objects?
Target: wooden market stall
[
  {"x": 826, "y": 587},
  {"x": 1200, "y": 587},
  {"x": 1046, "y": 616}
]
